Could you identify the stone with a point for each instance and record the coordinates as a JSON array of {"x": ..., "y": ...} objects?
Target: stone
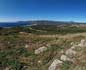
[
  {"x": 82, "y": 43},
  {"x": 26, "y": 46},
  {"x": 56, "y": 63},
  {"x": 70, "y": 53},
  {"x": 40, "y": 50},
  {"x": 72, "y": 43},
  {"x": 39, "y": 61},
  {"x": 65, "y": 58}
]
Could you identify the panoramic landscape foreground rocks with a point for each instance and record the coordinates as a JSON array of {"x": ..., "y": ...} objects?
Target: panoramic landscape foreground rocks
[
  {"x": 50, "y": 54},
  {"x": 69, "y": 55}
]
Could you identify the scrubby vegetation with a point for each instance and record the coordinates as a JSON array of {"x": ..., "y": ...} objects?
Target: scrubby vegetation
[{"x": 17, "y": 46}]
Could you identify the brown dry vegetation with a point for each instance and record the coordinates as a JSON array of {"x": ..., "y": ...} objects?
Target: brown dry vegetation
[{"x": 15, "y": 56}]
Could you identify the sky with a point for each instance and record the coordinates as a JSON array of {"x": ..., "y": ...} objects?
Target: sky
[{"x": 58, "y": 10}]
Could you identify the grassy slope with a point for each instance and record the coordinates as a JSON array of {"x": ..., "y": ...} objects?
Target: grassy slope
[{"x": 13, "y": 53}]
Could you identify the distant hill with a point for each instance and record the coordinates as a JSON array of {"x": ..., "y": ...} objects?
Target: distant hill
[
  {"x": 46, "y": 22},
  {"x": 38, "y": 22}
]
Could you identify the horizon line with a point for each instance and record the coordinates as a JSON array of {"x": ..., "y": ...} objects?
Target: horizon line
[{"x": 42, "y": 20}]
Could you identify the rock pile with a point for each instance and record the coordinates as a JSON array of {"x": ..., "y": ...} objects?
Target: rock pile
[{"x": 69, "y": 55}]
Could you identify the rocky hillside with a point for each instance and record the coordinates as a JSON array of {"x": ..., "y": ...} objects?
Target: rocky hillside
[{"x": 22, "y": 48}]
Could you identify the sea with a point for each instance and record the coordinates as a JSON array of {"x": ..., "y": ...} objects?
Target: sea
[{"x": 14, "y": 24}]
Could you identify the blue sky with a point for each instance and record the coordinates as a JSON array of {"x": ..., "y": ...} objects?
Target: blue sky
[{"x": 59, "y": 10}]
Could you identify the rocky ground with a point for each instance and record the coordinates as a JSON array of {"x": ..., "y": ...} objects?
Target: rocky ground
[{"x": 27, "y": 51}]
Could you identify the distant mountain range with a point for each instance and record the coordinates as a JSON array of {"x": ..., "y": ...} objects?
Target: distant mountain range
[{"x": 41, "y": 22}]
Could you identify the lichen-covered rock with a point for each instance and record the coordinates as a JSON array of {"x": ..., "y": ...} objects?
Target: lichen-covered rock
[
  {"x": 40, "y": 50},
  {"x": 55, "y": 65}
]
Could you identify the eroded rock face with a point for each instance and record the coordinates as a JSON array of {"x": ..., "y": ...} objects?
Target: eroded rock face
[
  {"x": 55, "y": 65},
  {"x": 40, "y": 50}
]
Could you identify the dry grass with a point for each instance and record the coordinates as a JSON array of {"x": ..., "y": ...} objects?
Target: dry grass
[{"x": 57, "y": 43}]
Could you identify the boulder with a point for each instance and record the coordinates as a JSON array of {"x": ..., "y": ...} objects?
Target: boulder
[
  {"x": 65, "y": 58},
  {"x": 70, "y": 53},
  {"x": 55, "y": 65}
]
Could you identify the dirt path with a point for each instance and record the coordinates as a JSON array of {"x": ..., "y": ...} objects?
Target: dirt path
[{"x": 63, "y": 36}]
